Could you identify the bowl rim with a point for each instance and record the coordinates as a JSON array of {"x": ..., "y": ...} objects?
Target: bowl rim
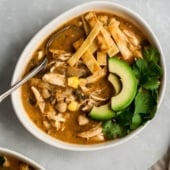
[
  {"x": 21, "y": 157},
  {"x": 44, "y": 32}
]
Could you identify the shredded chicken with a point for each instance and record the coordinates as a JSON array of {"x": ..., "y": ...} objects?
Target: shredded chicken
[
  {"x": 55, "y": 79},
  {"x": 39, "y": 83},
  {"x": 82, "y": 120},
  {"x": 65, "y": 95},
  {"x": 46, "y": 124},
  {"x": 99, "y": 97},
  {"x": 95, "y": 131},
  {"x": 39, "y": 99},
  {"x": 45, "y": 93},
  {"x": 50, "y": 112},
  {"x": 57, "y": 65},
  {"x": 99, "y": 137},
  {"x": 58, "y": 122},
  {"x": 40, "y": 55}
]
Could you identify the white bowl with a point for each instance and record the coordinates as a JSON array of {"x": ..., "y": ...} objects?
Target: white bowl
[
  {"x": 21, "y": 157},
  {"x": 47, "y": 30}
]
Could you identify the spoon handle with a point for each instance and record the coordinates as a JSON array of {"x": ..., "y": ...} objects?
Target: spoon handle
[{"x": 25, "y": 79}]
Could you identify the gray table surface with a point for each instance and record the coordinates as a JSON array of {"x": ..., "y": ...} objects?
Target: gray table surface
[{"x": 19, "y": 21}]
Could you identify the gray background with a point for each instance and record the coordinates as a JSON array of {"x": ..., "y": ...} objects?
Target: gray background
[{"x": 19, "y": 21}]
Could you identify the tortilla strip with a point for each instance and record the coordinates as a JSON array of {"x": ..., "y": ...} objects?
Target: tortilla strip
[
  {"x": 92, "y": 20},
  {"x": 90, "y": 62},
  {"x": 93, "y": 47},
  {"x": 134, "y": 44},
  {"x": 104, "y": 38},
  {"x": 86, "y": 44},
  {"x": 104, "y": 19},
  {"x": 120, "y": 39},
  {"x": 102, "y": 58},
  {"x": 88, "y": 57},
  {"x": 96, "y": 76},
  {"x": 79, "y": 42},
  {"x": 113, "y": 50}
]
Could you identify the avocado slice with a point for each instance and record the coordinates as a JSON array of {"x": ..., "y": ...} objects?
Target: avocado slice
[
  {"x": 129, "y": 83},
  {"x": 114, "y": 80},
  {"x": 102, "y": 112}
]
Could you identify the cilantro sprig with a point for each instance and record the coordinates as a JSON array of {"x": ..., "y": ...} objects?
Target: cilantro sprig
[
  {"x": 148, "y": 73},
  {"x": 2, "y": 160}
]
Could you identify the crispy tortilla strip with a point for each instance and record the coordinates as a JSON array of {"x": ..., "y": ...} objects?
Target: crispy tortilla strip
[
  {"x": 90, "y": 62},
  {"x": 86, "y": 44},
  {"x": 92, "y": 20},
  {"x": 88, "y": 57},
  {"x": 104, "y": 38},
  {"x": 134, "y": 44},
  {"x": 113, "y": 50},
  {"x": 93, "y": 48},
  {"x": 133, "y": 38},
  {"x": 79, "y": 42},
  {"x": 102, "y": 58},
  {"x": 135, "y": 50},
  {"x": 96, "y": 76},
  {"x": 104, "y": 19},
  {"x": 120, "y": 39}
]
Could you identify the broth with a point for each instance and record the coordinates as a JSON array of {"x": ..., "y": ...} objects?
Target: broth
[{"x": 10, "y": 163}]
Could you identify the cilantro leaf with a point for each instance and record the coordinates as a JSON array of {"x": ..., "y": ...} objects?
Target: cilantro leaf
[
  {"x": 136, "y": 121},
  {"x": 155, "y": 70},
  {"x": 151, "y": 84},
  {"x": 144, "y": 102},
  {"x": 125, "y": 117},
  {"x": 112, "y": 130},
  {"x": 139, "y": 69},
  {"x": 151, "y": 54},
  {"x": 147, "y": 70},
  {"x": 2, "y": 160}
]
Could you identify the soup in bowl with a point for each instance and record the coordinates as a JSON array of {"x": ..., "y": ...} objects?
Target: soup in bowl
[
  {"x": 11, "y": 160},
  {"x": 104, "y": 79}
]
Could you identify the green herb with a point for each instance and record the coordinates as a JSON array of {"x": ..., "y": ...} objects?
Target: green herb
[
  {"x": 148, "y": 70},
  {"x": 151, "y": 54},
  {"x": 136, "y": 121},
  {"x": 144, "y": 102},
  {"x": 2, "y": 160},
  {"x": 125, "y": 117},
  {"x": 151, "y": 84},
  {"x": 112, "y": 130},
  {"x": 148, "y": 73}
]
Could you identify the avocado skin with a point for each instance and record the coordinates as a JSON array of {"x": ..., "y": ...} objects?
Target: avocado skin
[
  {"x": 102, "y": 112},
  {"x": 129, "y": 84}
]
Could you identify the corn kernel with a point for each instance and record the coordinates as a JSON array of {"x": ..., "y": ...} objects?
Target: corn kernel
[
  {"x": 73, "y": 106},
  {"x": 73, "y": 82}
]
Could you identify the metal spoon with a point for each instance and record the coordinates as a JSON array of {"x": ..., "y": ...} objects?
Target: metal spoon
[
  {"x": 50, "y": 42},
  {"x": 25, "y": 79}
]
